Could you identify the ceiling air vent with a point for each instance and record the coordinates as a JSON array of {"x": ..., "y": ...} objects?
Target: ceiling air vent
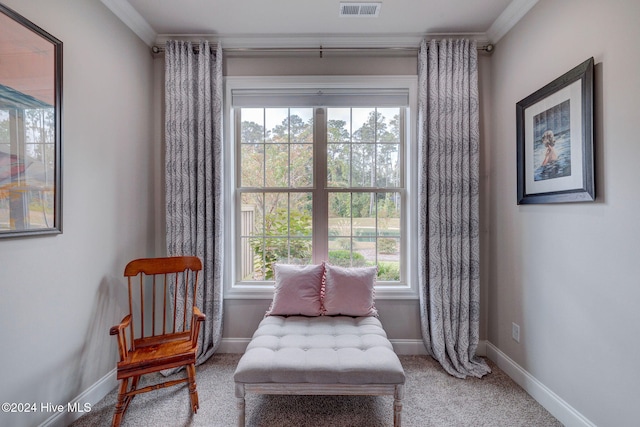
[{"x": 360, "y": 9}]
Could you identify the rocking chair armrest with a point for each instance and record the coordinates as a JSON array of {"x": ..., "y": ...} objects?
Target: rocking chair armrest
[
  {"x": 115, "y": 330},
  {"x": 198, "y": 317},
  {"x": 120, "y": 331}
]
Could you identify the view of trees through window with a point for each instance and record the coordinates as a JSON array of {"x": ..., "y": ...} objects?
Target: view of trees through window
[{"x": 362, "y": 188}]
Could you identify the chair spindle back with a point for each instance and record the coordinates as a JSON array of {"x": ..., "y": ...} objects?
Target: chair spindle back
[{"x": 171, "y": 279}]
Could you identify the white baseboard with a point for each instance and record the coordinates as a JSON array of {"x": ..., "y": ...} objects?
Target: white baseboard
[
  {"x": 553, "y": 403},
  {"x": 409, "y": 347},
  {"x": 233, "y": 345},
  {"x": 84, "y": 401}
]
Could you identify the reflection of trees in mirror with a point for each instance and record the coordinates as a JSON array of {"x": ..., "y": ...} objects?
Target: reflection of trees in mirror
[{"x": 27, "y": 168}]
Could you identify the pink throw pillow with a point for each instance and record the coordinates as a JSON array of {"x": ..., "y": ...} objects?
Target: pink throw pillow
[
  {"x": 297, "y": 290},
  {"x": 349, "y": 291}
]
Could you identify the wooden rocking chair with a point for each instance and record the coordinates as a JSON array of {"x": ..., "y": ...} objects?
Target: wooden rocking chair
[{"x": 169, "y": 338}]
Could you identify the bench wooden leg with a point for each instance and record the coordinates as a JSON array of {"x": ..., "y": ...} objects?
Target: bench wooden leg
[
  {"x": 397, "y": 405},
  {"x": 240, "y": 394}
]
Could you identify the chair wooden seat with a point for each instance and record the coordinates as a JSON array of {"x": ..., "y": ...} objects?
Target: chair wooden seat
[
  {"x": 167, "y": 355},
  {"x": 171, "y": 337}
]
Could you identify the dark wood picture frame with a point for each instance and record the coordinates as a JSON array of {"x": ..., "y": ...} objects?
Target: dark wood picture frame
[
  {"x": 555, "y": 158},
  {"x": 30, "y": 128}
]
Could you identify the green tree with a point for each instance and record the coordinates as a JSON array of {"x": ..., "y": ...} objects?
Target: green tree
[
  {"x": 338, "y": 154},
  {"x": 293, "y": 129},
  {"x": 291, "y": 165},
  {"x": 251, "y": 133},
  {"x": 277, "y": 246}
]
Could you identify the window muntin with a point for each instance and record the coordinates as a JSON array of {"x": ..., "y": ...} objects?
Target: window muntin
[{"x": 357, "y": 200}]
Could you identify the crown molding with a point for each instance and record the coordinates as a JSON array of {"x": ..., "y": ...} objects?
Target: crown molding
[
  {"x": 512, "y": 14},
  {"x": 132, "y": 19}
]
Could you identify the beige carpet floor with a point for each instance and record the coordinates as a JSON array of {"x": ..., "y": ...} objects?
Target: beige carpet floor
[{"x": 432, "y": 398}]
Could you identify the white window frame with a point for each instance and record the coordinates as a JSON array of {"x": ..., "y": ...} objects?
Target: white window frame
[{"x": 243, "y": 290}]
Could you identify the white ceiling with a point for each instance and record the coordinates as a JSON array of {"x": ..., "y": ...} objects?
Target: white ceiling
[{"x": 298, "y": 23}]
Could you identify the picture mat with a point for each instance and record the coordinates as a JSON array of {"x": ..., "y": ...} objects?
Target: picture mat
[{"x": 572, "y": 92}]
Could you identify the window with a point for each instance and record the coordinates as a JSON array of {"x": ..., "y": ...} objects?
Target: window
[
  {"x": 276, "y": 164},
  {"x": 314, "y": 183},
  {"x": 364, "y": 185}
]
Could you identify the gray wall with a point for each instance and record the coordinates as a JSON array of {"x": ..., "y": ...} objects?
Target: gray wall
[
  {"x": 569, "y": 274},
  {"x": 59, "y": 295}
]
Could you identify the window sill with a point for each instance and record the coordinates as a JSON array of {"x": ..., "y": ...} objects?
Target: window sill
[{"x": 265, "y": 291}]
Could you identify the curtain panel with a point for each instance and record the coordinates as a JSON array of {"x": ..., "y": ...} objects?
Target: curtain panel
[
  {"x": 448, "y": 192},
  {"x": 194, "y": 173}
]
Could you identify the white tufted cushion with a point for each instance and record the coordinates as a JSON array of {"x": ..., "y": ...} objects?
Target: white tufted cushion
[{"x": 321, "y": 350}]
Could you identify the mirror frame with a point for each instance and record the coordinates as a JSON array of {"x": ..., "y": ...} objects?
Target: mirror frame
[{"x": 16, "y": 164}]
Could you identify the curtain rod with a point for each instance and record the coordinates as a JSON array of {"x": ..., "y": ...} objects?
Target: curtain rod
[{"x": 160, "y": 49}]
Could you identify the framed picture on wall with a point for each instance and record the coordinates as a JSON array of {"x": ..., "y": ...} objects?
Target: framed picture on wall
[
  {"x": 555, "y": 140},
  {"x": 30, "y": 128}
]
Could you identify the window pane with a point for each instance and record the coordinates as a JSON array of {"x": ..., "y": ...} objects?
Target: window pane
[
  {"x": 388, "y": 259},
  {"x": 251, "y": 214},
  {"x": 363, "y": 207},
  {"x": 364, "y": 122},
  {"x": 300, "y": 214},
  {"x": 388, "y": 125},
  {"x": 363, "y": 229},
  {"x": 339, "y": 214},
  {"x": 252, "y": 165},
  {"x": 276, "y": 216},
  {"x": 338, "y": 125},
  {"x": 300, "y": 251},
  {"x": 340, "y": 251},
  {"x": 364, "y": 251},
  {"x": 301, "y": 168},
  {"x": 276, "y": 165},
  {"x": 277, "y": 124},
  {"x": 250, "y": 259},
  {"x": 387, "y": 165},
  {"x": 338, "y": 165},
  {"x": 301, "y": 125},
  {"x": 4, "y": 127},
  {"x": 388, "y": 220},
  {"x": 252, "y": 126},
  {"x": 362, "y": 165},
  {"x": 388, "y": 244}
]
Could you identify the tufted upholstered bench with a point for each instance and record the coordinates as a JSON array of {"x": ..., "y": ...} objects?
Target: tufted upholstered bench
[{"x": 324, "y": 355}]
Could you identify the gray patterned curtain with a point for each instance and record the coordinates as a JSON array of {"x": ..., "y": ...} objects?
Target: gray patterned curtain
[
  {"x": 193, "y": 173},
  {"x": 448, "y": 187}
]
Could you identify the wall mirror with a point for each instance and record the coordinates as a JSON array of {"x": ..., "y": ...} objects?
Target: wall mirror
[{"x": 30, "y": 128}]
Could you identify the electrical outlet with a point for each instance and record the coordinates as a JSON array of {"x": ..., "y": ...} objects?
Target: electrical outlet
[{"x": 515, "y": 332}]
